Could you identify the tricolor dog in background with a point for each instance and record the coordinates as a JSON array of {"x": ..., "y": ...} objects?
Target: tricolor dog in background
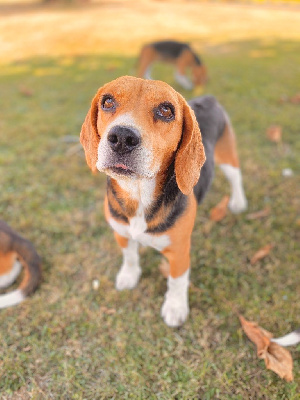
[
  {"x": 177, "y": 53},
  {"x": 146, "y": 138},
  {"x": 15, "y": 252}
]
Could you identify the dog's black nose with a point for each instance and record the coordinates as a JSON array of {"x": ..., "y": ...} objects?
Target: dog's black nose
[{"x": 123, "y": 139}]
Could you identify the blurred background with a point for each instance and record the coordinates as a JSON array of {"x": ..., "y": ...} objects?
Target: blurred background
[{"x": 69, "y": 341}]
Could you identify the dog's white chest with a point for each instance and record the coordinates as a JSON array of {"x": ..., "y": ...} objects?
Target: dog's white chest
[
  {"x": 141, "y": 191},
  {"x": 136, "y": 231}
]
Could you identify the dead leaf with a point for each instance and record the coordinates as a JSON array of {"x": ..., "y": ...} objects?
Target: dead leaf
[
  {"x": 261, "y": 253},
  {"x": 164, "y": 268},
  {"x": 26, "y": 91},
  {"x": 276, "y": 357},
  {"x": 255, "y": 334},
  {"x": 107, "y": 311},
  {"x": 274, "y": 133},
  {"x": 206, "y": 228},
  {"x": 220, "y": 210},
  {"x": 295, "y": 99},
  {"x": 259, "y": 214}
]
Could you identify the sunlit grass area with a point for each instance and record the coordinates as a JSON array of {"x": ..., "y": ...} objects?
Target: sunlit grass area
[{"x": 69, "y": 341}]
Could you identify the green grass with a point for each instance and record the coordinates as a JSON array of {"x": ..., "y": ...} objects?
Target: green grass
[{"x": 61, "y": 344}]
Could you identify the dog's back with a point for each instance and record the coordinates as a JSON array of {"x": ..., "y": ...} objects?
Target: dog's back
[
  {"x": 212, "y": 121},
  {"x": 170, "y": 49}
]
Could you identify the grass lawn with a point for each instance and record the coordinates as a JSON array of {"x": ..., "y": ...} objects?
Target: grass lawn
[{"x": 69, "y": 341}]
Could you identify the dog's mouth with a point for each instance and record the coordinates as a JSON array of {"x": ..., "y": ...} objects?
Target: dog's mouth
[{"x": 121, "y": 169}]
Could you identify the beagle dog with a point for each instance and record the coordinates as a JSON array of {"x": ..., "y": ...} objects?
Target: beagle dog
[
  {"x": 146, "y": 138},
  {"x": 16, "y": 251},
  {"x": 177, "y": 53}
]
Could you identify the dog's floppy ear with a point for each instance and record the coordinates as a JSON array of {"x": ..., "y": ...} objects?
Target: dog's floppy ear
[
  {"x": 190, "y": 155},
  {"x": 89, "y": 136}
]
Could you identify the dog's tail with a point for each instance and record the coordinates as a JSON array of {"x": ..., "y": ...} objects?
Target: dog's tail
[
  {"x": 288, "y": 340},
  {"x": 15, "y": 252}
]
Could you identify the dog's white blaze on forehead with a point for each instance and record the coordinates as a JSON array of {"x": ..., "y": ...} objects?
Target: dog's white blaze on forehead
[
  {"x": 125, "y": 119},
  {"x": 157, "y": 242}
]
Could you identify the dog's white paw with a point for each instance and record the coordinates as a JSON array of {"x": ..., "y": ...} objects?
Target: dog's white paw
[
  {"x": 238, "y": 203},
  {"x": 128, "y": 278},
  {"x": 174, "y": 313}
]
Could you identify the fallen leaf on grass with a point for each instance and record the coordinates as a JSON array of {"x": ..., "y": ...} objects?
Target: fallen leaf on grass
[
  {"x": 108, "y": 311},
  {"x": 274, "y": 133},
  {"x": 206, "y": 228},
  {"x": 261, "y": 253},
  {"x": 26, "y": 91},
  {"x": 259, "y": 214},
  {"x": 276, "y": 357},
  {"x": 164, "y": 268},
  {"x": 220, "y": 210},
  {"x": 295, "y": 99}
]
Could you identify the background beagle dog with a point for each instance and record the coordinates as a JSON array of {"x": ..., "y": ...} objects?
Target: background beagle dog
[
  {"x": 175, "y": 52},
  {"x": 146, "y": 138},
  {"x": 16, "y": 251}
]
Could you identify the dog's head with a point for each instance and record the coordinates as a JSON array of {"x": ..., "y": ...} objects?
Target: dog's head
[{"x": 136, "y": 128}]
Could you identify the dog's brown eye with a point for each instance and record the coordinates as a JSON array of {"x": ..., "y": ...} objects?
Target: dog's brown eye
[
  {"x": 165, "y": 112},
  {"x": 108, "y": 103}
]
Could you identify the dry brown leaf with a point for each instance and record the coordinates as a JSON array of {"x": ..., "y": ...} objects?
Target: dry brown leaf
[
  {"x": 206, "y": 228},
  {"x": 259, "y": 214},
  {"x": 220, "y": 210},
  {"x": 274, "y": 133},
  {"x": 164, "y": 268},
  {"x": 107, "y": 311},
  {"x": 254, "y": 333},
  {"x": 261, "y": 253},
  {"x": 295, "y": 99},
  {"x": 276, "y": 357},
  {"x": 26, "y": 91},
  {"x": 279, "y": 360}
]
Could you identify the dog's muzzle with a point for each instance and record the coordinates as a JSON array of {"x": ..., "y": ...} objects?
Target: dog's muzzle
[{"x": 123, "y": 139}]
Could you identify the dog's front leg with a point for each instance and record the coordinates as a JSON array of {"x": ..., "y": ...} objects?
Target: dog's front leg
[
  {"x": 175, "y": 308},
  {"x": 130, "y": 271}
]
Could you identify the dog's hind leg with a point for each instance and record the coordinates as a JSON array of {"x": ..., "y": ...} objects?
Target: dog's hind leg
[
  {"x": 130, "y": 271},
  {"x": 182, "y": 63},
  {"x": 147, "y": 56},
  {"x": 10, "y": 269},
  {"x": 226, "y": 156}
]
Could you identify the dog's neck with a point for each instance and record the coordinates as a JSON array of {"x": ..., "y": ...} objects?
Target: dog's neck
[
  {"x": 142, "y": 193},
  {"x": 139, "y": 191},
  {"x": 157, "y": 201}
]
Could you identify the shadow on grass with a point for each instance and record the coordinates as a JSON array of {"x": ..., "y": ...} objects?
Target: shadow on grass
[{"x": 61, "y": 342}]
